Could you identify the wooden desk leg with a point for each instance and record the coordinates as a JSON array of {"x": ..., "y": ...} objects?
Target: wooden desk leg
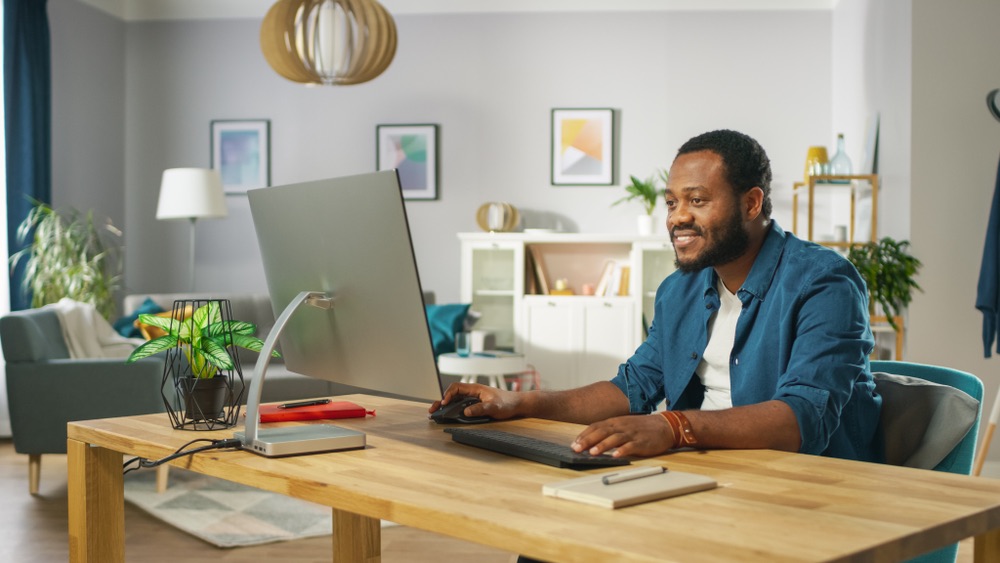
[
  {"x": 356, "y": 538},
  {"x": 96, "y": 504},
  {"x": 987, "y": 547}
]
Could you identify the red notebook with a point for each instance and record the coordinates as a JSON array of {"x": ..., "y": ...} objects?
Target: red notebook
[{"x": 333, "y": 409}]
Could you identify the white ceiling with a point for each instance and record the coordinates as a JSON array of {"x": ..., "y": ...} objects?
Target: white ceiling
[{"x": 136, "y": 10}]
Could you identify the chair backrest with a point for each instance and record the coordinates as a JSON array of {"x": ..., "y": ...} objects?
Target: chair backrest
[{"x": 946, "y": 416}]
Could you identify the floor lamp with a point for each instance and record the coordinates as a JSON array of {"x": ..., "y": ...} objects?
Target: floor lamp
[{"x": 191, "y": 193}]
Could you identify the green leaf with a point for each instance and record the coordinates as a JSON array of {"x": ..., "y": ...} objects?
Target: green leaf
[
  {"x": 215, "y": 352},
  {"x": 167, "y": 324},
  {"x": 151, "y": 347},
  {"x": 252, "y": 343},
  {"x": 235, "y": 327}
]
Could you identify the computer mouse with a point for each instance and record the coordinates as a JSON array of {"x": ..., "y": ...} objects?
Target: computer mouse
[{"x": 452, "y": 412}]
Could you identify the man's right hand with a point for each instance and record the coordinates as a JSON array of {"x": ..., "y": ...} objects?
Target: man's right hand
[{"x": 495, "y": 403}]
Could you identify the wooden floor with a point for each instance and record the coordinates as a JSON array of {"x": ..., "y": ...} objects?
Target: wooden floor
[{"x": 34, "y": 528}]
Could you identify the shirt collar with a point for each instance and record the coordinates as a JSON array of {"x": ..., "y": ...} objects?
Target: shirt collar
[{"x": 762, "y": 272}]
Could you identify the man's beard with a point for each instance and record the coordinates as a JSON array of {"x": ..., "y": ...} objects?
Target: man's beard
[{"x": 729, "y": 242}]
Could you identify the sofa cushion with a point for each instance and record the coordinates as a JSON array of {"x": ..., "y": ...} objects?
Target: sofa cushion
[
  {"x": 126, "y": 327},
  {"x": 444, "y": 322}
]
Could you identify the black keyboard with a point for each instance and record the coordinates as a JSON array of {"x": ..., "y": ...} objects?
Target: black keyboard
[{"x": 534, "y": 449}]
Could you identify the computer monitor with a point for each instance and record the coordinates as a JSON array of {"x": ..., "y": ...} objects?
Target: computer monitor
[{"x": 347, "y": 241}]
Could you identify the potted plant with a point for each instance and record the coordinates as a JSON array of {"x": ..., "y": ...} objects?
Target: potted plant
[
  {"x": 69, "y": 255},
  {"x": 648, "y": 191},
  {"x": 203, "y": 338},
  {"x": 888, "y": 270}
]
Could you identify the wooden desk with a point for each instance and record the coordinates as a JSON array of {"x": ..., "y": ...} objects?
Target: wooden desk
[{"x": 773, "y": 506}]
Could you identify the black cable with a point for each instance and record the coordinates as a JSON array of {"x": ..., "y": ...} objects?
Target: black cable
[{"x": 144, "y": 463}]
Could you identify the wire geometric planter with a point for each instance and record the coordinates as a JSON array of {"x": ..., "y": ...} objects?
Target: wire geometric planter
[{"x": 201, "y": 403}]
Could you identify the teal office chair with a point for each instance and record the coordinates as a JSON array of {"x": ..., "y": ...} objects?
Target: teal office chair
[{"x": 929, "y": 426}]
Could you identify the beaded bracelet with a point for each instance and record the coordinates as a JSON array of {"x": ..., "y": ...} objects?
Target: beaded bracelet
[{"x": 681, "y": 427}]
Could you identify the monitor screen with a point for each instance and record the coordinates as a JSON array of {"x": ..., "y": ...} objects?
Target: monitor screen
[{"x": 349, "y": 238}]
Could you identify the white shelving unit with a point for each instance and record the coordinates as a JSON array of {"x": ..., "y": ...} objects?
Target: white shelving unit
[{"x": 575, "y": 339}]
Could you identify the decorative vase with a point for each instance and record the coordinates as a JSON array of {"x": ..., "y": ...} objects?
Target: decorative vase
[
  {"x": 816, "y": 162},
  {"x": 644, "y": 224},
  {"x": 207, "y": 403},
  {"x": 840, "y": 164}
]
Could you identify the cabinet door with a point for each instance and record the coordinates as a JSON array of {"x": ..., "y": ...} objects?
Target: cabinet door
[
  {"x": 493, "y": 281},
  {"x": 552, "y": 340},
  {"x": 655, "y": 261},
  {"x": 608, "y": 339}
]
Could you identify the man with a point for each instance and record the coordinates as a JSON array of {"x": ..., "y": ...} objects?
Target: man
[{"x": 760, "y": 340}]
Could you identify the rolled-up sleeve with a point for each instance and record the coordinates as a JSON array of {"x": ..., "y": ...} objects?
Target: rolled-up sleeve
[{"x": 830, "y": 348}]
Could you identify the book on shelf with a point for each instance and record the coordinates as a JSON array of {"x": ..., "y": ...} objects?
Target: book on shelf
[
  {"x": 618, "y": 280},
  {"x": 530, "y": 282},
  {"x": 604, "y": 491},
  {"x": 605, "y": 279},
  {"x": 624, "y": 274},
  {"x": 539, "y": 267}
]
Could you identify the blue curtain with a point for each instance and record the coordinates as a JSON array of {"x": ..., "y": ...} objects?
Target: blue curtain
[{"x": 27, "y": 74}]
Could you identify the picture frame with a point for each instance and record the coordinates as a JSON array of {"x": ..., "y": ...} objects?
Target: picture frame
[
  {"x": 413, "y": 151},
  {"x": 241, "y": 152},
  {"x": 583, "y": 146}
]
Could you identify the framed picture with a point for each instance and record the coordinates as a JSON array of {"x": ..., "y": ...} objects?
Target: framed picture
[
  {"x": 241, "y": 152},
  {"x": 412, "y": 151},
  {"x": 583, "y": 147}
]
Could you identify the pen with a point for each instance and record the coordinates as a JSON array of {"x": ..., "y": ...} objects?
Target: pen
[
  {"x": 634, "y": 474},
  {"x": 304, "y": 404}
]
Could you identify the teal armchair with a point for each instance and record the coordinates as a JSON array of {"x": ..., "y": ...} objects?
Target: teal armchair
[
  {"x": 929, "y": 426},
  {"x": 46, "y": 388}
]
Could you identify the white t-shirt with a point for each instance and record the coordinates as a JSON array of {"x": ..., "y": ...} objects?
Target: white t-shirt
[{"x": 714, "y": 366}]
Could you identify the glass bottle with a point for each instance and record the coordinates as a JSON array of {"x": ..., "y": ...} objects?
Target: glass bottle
[{"x": 840, "y": 164}]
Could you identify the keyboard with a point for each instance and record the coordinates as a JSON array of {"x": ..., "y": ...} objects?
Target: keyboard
[{"x": 532, "y": 449}]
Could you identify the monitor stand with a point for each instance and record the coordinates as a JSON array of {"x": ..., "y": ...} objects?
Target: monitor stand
[{"x": 291, "y": 440}]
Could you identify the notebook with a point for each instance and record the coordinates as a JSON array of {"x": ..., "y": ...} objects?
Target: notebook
[
  {"x": 593, "y": 490},
  {"x": 333, "y": 409}
]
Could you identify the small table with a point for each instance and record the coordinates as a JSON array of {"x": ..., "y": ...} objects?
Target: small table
[{"x": 493, "y": 365}]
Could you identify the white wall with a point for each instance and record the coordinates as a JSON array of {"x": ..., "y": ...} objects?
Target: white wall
[
  {"x": 88, "y": 92},
  {"x": 490, "y": 81},
  {"x": 954, "y": 169},
  {"x": 791, "y": 79}
]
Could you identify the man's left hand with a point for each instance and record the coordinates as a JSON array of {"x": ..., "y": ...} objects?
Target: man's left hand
[{"x": 634, "y": 435}]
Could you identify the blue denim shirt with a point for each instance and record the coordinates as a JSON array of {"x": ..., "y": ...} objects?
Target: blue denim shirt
[{"x": 803, "y": 337}]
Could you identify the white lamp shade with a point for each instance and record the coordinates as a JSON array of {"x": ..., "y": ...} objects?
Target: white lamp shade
[{"x": 191, "y": 193}]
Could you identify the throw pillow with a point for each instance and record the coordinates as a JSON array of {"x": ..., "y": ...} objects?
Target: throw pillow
[
  {"x": 444, "y": 321},
  {"x": 125, "y": 326},
  {"x": 922, "y": 421}
]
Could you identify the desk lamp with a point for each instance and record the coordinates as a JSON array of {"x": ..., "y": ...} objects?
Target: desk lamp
[{"x": 191, "y": 193}]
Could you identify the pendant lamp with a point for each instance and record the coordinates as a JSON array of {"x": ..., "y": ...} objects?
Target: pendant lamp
[{"x": 334, "y": 42}]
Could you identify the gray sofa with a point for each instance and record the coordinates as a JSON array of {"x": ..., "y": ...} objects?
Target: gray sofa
[{"x": 46, "y": 388}]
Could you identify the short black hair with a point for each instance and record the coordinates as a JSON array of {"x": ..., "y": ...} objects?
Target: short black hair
[{"x": 746, "y": 162}]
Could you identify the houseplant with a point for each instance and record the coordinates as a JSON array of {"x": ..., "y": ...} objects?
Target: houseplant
[
  {"x": 648, "y": 191},
  {"x": 69, "y": 255},
  {"x": 888, "y": 270},
  {"x": 197, "y": 337}
]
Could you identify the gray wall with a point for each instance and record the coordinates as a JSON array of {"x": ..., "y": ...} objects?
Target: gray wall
[
  {"x": 955, "y": 147},
  {"x": 792, "y": 79},
  {"x": 88, "y": 85},
  {"x": 490, "y": 81}
]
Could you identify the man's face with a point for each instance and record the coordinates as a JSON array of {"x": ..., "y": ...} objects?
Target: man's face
[{"x": 704, "y": 217}]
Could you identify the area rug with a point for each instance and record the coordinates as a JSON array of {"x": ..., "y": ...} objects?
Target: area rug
[{"x": 226, "y": 514}]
